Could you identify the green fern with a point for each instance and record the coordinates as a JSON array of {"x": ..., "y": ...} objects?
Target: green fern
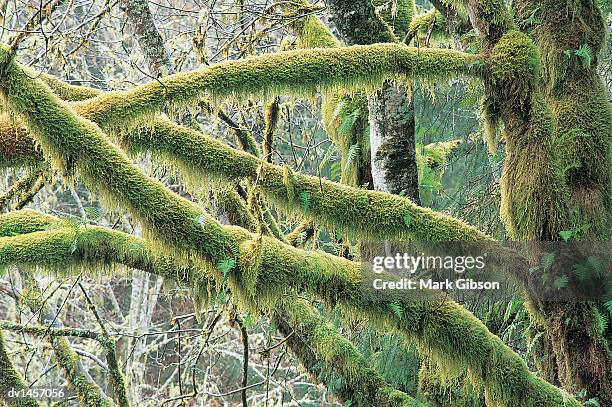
[
  {"x": 594, "y": 402},
  {"x": 327, "y": 157},
  {"x": 608, "y": 306},
  {"x": 602, "y": 321},
  {"x": 305, "y": 199},
  {"x": 225, "y": 266},
  {"x": 585, "y": 53},
  {"x": 397, "y": 309},
  {"x": 560, "y": 282},
  {"x": 351, "y": 156}
]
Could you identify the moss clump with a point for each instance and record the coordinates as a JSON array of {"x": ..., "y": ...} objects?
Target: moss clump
[{"x": 430, "y": 22}]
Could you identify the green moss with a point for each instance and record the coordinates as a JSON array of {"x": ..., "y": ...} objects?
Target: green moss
[
  {"x": 492, "y": 18},
  {"x": 534, "y": 196},
  {"x": 448, "y": 391},
  {"x": 300, "y": 235},
  {"x": 432, "y": 21},
  {"x": 360, "y": 383},
  {"x": 301, "y": 71},
  {"x": 445, "y": 330},
  {"x": 580, "y": 104},
  {"x": 73, "y": 143},
  {"x": 88, "y": 393},
  {"x": 397, "y": 13},
  {"x": 331, "y": 204},
  {"x": 69, "y": 93},
  {"x": 17, "y": 149}
]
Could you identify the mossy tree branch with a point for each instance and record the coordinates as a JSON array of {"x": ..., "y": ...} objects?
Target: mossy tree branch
[
  {"x": 99, "y": 248},
  {"x": 344, "y": 207},
  {"x": 443, "y": 329},
  {"x": 299, "y": 71},
  {"x": 446, "y": 329}
]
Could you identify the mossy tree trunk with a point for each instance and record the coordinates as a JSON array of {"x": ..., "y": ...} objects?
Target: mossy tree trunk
[
  {"x": 557, "y": 168},
  {"x": 570, "y": 37}
]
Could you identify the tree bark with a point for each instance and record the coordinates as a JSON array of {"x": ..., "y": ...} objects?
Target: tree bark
[
  {"x": 148, "y": 37},
  {"x": 391, "y": 111}
]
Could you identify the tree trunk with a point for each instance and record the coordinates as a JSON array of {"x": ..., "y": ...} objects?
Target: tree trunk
[{"x": 392, "y": 144}]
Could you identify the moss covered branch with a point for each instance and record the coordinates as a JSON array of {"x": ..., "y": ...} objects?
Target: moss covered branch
[
  {"x": 343, "y": 207},
  {"x": 95, "y": 248},
  {"x": 266, "y": 269},
  {"x": 301, "y": 71}
]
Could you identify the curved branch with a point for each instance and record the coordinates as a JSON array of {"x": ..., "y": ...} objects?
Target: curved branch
[
  {"x": 370, "y": 214},
  {"x": 99, "y": 247},
  {"x": 300, "y": 71}
]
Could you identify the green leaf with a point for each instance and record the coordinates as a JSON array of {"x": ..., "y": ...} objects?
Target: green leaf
[
  {"x": 547, "y": 260},
  {"x": 351, "y": 156},
  {"x": 407, "y": 219},
  {"x": 397, "y": 309},
  {"x": 594, "y": 402},
  {"x": 585, "y": 53},
  {"x": 328, "y": 154},
  {"x": 594, "y": 262},
  {"x": 511, "y": 309},
  {"x": 73, "y": 246},
  {"x": 560, "y": 282},
  {"x": 582, "y": 272},
  {"x": 602, "y": 321},
  {"x": 608, "y": 306},
  {"x": 225, "y": 266},
  {"x": 566, "y": 235},
  {"x": 305, "y": 199}
]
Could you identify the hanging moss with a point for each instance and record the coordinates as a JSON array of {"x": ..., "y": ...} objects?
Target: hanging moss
[
  {"x": 300, "y": 71},
  {"x": 95, "y": 248},
  {"x": 570, "y": 39},
  {"x": 16, "y": 145},
  {"x": 534, "y": 196},
  {"x": 331, "y": 204},
  {"x": 361, "y": 385},
  {"x": 448, "y": 391},
  {"x": 75, "y": 143},
  {"x": 445, "y": 330}
]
